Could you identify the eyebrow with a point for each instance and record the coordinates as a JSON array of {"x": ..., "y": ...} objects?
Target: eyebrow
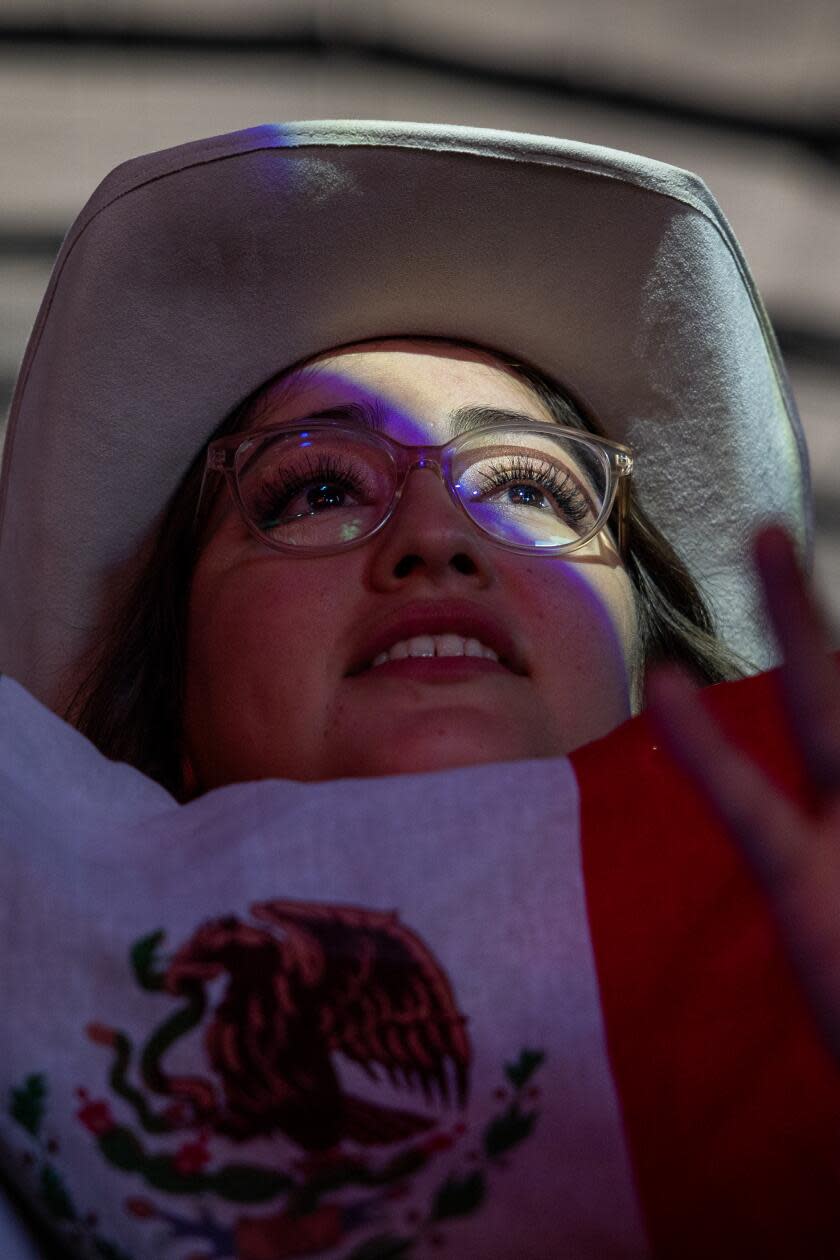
[{"x": 373, "y": 417}]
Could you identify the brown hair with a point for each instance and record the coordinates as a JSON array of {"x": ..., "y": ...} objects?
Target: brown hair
[{"x": 130, "y": 702}]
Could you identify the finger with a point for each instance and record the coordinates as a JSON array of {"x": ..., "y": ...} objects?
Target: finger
[
  {"x": 809, "y": 676},
  {"x": 768, "y": 828}
]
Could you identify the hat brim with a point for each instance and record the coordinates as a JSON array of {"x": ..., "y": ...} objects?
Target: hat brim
[{"x": 194, "y": 274}]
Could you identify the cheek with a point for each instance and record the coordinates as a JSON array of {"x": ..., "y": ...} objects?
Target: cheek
[
  {"x": 585, "y": 622},
  {"x": 253, "y": 628}
]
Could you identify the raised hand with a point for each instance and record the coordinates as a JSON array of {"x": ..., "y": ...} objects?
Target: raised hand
[{"x": 796, "y": 857}]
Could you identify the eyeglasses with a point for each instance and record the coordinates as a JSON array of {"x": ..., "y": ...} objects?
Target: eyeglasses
[{"x": 323, "y": 487}]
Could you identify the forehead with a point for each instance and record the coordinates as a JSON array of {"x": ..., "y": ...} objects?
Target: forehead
[{"x": 413, "y": 390}]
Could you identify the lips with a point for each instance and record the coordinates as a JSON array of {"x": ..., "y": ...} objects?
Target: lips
[{"x": 438, "y": 617}]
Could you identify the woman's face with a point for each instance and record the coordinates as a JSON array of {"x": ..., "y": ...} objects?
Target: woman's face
[{"x": 271, "y": 637}]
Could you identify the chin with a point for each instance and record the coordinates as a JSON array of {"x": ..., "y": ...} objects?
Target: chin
[{"x": 429, "y": 759}]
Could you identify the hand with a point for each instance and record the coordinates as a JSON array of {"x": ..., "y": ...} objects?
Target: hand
[{"x": 796, "y": 857}]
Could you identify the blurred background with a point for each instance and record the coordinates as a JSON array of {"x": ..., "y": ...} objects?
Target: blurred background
[{"x": 746, "y": 93}]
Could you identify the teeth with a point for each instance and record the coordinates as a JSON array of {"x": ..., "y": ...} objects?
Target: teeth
[{"x": 435, "y": 645}]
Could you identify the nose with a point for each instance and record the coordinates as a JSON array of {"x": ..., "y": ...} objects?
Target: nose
[{"x": 430, "y": 537}]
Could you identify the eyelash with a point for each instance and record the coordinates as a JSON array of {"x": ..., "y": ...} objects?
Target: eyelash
[
  {"x": 563, "y": 492},
  {"x": 275, "y": 495}
]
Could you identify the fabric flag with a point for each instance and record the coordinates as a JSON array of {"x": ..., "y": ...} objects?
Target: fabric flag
[{"x": 527, "y": 1009}]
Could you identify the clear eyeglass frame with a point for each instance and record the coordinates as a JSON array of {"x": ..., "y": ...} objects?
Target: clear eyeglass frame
[{"x": 222, "y": 454}]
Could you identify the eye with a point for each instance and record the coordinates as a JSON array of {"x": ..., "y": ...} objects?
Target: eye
[
  {"x": 540, "y": 479},
  {"x": 325, "y": 484},
  {"x": 528, "y": 496}
]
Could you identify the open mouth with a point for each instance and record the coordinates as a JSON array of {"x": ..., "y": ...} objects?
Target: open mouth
[
  {"x": 436, "y": 668},
  {"x": 441, "y": 647},
  {"x": 435, "y": 632}
]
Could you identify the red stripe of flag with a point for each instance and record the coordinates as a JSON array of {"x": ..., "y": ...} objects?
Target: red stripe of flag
[{"x": 731, "y": 1103}]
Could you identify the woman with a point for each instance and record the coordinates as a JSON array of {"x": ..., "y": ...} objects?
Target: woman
[
  {"x": 610, "y": 615},
  {"x": 293, "y": 286}
]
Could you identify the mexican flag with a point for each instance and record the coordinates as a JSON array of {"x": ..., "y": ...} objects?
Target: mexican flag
[{"x": 528, "y": 1009}]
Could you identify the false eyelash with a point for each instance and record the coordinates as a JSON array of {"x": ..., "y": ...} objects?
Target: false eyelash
[
  {"x": 276, "y": 494},
  {"x": 564, "y": 493}
]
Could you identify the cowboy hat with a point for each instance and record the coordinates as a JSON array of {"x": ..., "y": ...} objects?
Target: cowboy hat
[{"x": 196, "y": 273}]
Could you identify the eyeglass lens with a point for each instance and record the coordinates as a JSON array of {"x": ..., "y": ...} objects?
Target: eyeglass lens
[{"x": 327, "y": 487}]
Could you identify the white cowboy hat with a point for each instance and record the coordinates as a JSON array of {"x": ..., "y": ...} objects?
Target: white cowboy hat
[{"x": 194, "y": 274}]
